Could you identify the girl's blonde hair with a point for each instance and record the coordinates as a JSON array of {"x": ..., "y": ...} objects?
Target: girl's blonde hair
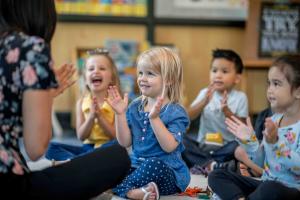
[
  {"x": 114, "y": 71},
  {"x": 166, "y": 62}
]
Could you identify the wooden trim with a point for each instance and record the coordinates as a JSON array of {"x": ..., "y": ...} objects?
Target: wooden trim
[{"x": 258, "y": 64}]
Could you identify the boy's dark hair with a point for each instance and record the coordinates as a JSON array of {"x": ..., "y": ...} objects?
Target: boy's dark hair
[
  {"x": 290, "y": 66},
  {"x": 33, "y": 17},
  {"x": 231, "y": 56}
]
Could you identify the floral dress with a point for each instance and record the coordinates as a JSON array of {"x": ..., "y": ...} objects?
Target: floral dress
[{"x": 25, "y": 63}]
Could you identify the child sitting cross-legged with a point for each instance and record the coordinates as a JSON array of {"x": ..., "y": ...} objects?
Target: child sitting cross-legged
[
  {"x": 214, "y": 103},
  {"x": 153, "y": 124}
]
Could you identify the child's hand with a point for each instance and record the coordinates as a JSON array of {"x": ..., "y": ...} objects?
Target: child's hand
[
  {"x": 154, "y": 112},
  {"x": 94, "y": 108},
  {"x": 209, "y": 93},
  {"x": 244, "y": 170},
  {"x": 238, "y": 128},
  {"x": 270, "y": 132},
  {"x": 115, "y": 100},
  {"x": 224, "y": 100}
]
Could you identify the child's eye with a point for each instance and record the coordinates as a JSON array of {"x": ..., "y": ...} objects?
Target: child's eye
[
  {"x": 150, "y": 73},
  {"x": 90, "y": 68},
  {"x": 276, "y": 83},
  {"x": 225, "y": 71},
  {"x": 214, "y": 70}
]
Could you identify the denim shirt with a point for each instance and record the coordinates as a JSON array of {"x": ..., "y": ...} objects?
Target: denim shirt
[{"x": 144, "y": 142}]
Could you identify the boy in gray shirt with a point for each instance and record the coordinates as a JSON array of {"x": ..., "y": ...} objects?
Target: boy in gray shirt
[{"x": 214, "y": 103}]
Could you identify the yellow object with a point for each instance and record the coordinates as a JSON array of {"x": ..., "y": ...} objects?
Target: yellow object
[
  {"x": 97, "y": 136},
  {"x": 214, "y": 138}
]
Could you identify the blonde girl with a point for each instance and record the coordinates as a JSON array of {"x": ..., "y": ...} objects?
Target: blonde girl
[
  {"x": 94, "y": 116},
  {"x": 153, "y": 124}
]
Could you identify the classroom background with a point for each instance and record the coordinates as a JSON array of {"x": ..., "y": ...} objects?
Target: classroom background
[{"x": 194, "y": 28}]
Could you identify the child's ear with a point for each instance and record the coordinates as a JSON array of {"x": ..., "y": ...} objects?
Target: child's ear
[
  {"x": 297, "y": 93},
  {"x": 238, "y": 78}
]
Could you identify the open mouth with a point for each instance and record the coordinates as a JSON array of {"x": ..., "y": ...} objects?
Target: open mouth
[{"x": 96, "y": 81}]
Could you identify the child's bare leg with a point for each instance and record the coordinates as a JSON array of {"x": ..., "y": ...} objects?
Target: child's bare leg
[
  {"x": 139, "y": 193},
  {"x": 241, "y": 155}
]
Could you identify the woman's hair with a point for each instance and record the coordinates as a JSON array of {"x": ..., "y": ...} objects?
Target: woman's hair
[
  {"x": 167, "y": 63},
  {"x": 114, "y": 71},
  {"x": 290, "y": 67},
  {"x": 33, "y": 17}
]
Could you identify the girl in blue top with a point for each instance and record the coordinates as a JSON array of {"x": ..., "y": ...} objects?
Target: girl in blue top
[
  {"x": 154, "y": 125},
  {"x": 280, "y": 145}
]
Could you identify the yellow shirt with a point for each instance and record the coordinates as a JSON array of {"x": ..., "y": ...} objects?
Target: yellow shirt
[{"x": 97, "y": 136}]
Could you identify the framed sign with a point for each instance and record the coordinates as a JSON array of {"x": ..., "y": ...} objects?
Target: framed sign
[
  {"x": 279, "y": 29},
  {"x": 228, "y": 10}
]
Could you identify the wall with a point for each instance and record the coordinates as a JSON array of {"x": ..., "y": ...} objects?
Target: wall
[
  {"x": 194, "y": 42},
  {"x": 69, "y": 36},
  {"x": 195, "y": 45}
]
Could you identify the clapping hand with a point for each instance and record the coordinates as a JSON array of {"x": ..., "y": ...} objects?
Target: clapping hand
[
  {"x": 115, "y": 100},
  {"x": 209, "y": 93},
  {"x": 95, "y": 108},
  {"x": 63, "y": 76},
  {"x": 154, "y": 112},
  {"x": 224, "y": 99},
  {"x": 270, "y": 132},
  {"x": 238, "y": 128}
]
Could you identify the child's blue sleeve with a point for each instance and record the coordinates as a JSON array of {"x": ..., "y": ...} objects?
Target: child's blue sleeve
[
  {"x": 287, "y": 156},
  {"x": 176, "y": 122}
]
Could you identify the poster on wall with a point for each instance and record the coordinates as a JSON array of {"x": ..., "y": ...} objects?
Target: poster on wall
[
  {"x": 229, "y": 10},
  {"x": 279, "y": 29}
]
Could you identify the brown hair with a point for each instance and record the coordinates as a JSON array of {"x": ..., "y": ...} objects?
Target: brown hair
[{"x": 290, "y": 67}]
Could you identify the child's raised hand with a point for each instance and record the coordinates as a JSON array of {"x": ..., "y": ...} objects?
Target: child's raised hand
[
  {"x": 238, "y": 128},
  {"x": 115, "y": 100},
  {"x": 224, "y": 99},
  {"x": 209, "y": 93},
  {"x": 270, "y": 132},
  {"x": 154, "y": 112}
]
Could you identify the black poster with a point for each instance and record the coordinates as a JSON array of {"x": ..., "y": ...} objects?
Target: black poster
[{"x": 279, "y": 29}]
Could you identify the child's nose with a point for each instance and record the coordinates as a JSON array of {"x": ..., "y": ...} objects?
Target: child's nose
[
  {"x": 218, "y": 74},
  {"x": 143, "y": 77},
  {"x": 269, "y": 89}
]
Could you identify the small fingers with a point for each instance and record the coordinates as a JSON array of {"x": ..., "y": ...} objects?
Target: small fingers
[
  {"x": 126, "y": 98},
  {"x": 231, "y": 123},
  {"x": 236, "y": 120}
]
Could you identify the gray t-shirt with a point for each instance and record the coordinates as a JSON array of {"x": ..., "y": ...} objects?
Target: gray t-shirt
[{"x": 213, "y": 119}]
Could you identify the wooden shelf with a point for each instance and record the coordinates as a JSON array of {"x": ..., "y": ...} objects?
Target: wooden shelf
[
  {"x": 198, "y": 22},
  {"x": 258, "y": 64},
  {"x": 102, "y": 19}
]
